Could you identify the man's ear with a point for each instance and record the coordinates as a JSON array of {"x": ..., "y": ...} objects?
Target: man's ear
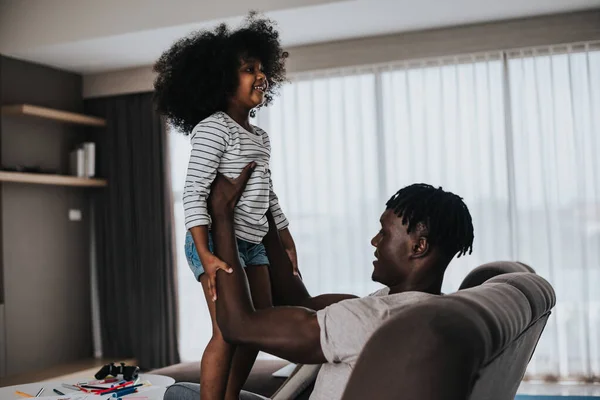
[{"x": 420, "y": 247}]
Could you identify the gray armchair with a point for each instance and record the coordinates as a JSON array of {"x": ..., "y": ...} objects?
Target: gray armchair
[{"x": 472, "y": 344}]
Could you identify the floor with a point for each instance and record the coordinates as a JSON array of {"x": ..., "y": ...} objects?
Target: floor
[{"x": 76, "y": 370}]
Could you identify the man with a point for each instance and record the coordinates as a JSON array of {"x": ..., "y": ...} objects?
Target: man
[{"x": 422, "y": 229}]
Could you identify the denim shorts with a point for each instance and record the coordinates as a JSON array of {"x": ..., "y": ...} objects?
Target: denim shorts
[{"x": 250, "y": 254}]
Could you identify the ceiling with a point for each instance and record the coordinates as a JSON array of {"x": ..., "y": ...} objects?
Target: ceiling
[{"x": 90, "y": 36}]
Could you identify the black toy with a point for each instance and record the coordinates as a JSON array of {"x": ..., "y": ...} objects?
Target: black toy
[{"x": 129, "y": 372}]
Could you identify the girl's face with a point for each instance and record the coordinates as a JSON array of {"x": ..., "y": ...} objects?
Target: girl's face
[{"x": 252, "y": 84}]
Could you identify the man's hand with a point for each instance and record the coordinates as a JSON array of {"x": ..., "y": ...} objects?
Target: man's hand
[
  {"x": 211, "y": 265},
  {"x": 209, "y": 261},
  {"x": 225, "y": 192}
]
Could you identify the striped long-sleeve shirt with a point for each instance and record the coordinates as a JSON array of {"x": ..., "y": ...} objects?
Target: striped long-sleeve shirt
[{"x": 221, "y": 144}]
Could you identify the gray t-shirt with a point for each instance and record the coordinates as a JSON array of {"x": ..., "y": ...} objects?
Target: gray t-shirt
[{"x": 345, "y": 329}]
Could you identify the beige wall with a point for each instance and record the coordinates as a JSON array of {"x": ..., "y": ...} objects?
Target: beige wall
[
  {"x": 45, "y": 257},
  {"x": 539, "y": 31}
]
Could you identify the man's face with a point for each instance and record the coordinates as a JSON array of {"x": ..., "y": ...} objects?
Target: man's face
[{"x": 392, "y": 251}]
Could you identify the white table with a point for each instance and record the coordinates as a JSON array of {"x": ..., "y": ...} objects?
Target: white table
[{"x": 154, "y": 392}]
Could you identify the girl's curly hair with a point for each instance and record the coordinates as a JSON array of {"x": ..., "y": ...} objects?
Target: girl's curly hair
[{"x": 199, "y": 73}]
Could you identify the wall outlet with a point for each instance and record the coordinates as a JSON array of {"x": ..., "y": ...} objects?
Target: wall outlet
[{"x": 74, "y": 215}]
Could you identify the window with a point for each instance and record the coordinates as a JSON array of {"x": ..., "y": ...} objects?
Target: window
[
  {"x": 555, "y": 103},
  {"x": 514, "y": 133}
]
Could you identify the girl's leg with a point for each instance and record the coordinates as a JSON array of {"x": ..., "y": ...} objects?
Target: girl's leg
[
  {"x": 216, "y": 360},
  {"x": 244, "y": 357}
]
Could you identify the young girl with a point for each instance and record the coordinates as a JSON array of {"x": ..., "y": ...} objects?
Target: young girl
[{"x": 207, "y": 85}]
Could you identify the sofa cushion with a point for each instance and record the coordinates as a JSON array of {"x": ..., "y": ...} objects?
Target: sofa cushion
[
  {"x": 538, "y": 291},
  {"x": 487, "y": 271}
]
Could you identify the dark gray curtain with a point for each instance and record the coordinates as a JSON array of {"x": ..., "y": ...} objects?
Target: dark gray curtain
[{"x": 134, "y": 233}]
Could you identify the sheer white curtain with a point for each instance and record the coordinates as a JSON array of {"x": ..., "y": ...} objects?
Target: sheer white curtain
[
  {"x": 515, "y": 134},
  {"x": 555, "y": 107}
]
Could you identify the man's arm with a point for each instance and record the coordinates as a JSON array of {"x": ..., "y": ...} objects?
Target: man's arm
[
  {"x": 292, "y": 333},
  {"x": 288, "y": 289}
]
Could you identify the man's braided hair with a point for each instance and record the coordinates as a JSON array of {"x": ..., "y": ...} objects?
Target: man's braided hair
[{"x": 444, "y": 214}]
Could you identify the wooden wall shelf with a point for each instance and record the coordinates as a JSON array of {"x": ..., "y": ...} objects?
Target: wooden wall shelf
[
  {"x": 48, "y": 179},
  {"x": 50, "y": 113}
]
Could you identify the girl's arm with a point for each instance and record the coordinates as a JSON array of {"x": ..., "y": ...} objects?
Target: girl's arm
[
  {"x": 279, "y": 219},
  {"x": 209, "y": 141},
  {"x": 290, "y": 248}
]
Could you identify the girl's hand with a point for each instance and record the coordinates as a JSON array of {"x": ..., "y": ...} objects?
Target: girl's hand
[
  {"x": 290, "y": 248},
  {"x": 211, "y": 265},
  {"x": 294, "y": 259}
]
